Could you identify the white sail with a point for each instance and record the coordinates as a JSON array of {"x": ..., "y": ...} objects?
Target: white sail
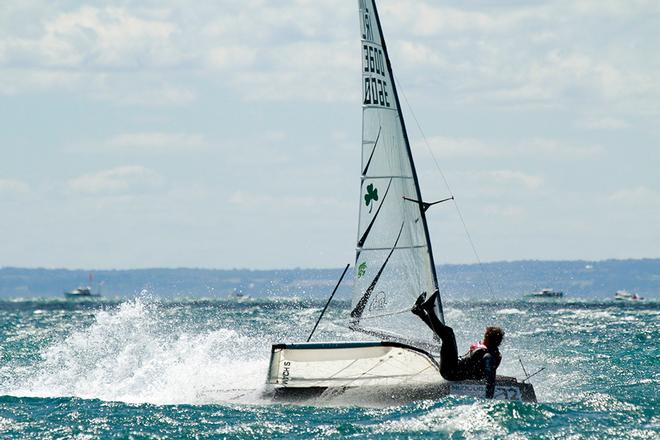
[{"x": 394, "y": 262}]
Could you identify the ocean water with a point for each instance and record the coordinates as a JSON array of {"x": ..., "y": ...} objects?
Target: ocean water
[{"x": 195, "y": 368}]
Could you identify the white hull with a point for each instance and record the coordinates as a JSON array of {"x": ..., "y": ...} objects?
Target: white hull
[
  {"x": 400, "y": 395},
  {"x": 378, "y": 373}
]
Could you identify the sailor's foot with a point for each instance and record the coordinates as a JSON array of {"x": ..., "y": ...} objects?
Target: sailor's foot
[
  {"x": 417, "y": 308},
  {"x": 429, "y": 303}
]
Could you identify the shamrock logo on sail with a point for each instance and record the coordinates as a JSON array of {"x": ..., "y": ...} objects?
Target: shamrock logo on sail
[
  {"x": 371, "y": 196},
  {"x": 362, "y": 269}
]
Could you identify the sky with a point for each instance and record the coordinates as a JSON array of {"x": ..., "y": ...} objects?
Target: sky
[{"x": 227, "y": 134}]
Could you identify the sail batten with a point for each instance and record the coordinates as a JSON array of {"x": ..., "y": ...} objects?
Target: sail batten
[
  {"x": 398, "y": 248},
  {"x": 388, "y": 279},
  {"x": 386, "y": 177}
]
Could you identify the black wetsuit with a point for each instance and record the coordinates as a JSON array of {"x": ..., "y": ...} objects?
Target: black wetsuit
[{"x": 477, "y": 364}]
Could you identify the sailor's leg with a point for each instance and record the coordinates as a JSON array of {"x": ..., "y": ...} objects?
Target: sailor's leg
[
  {"x": 424, "y": 317},
  {"x": 419, "y": 310},
  {"x": 425, "y": 309},
  {"x": 448, "y": 353}
]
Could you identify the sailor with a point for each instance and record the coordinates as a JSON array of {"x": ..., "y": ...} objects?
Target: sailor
[{"x": 479, "y": 363}]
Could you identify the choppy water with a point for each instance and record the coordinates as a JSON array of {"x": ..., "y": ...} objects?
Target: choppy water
[{"x": 196, "y": 368}]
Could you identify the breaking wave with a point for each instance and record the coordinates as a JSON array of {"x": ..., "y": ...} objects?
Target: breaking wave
[{"x": 135, "y": 354}]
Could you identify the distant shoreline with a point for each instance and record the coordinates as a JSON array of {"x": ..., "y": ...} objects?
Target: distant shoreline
[{"x": 579, "y": 278}]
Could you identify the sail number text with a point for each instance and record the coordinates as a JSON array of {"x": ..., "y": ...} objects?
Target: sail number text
[{"x": 375, "y": 89}]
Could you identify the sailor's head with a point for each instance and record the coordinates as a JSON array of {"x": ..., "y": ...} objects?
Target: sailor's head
[{"x": 493, "y": 337}]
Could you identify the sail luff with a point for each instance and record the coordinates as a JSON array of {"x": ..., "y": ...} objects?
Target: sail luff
[{"x": 410, "y": 156}]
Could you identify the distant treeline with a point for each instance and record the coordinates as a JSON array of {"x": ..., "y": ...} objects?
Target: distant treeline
[{"x": 501, "y": 279}]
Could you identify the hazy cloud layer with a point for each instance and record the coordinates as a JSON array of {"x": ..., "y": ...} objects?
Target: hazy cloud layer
[
  {"x": 227, "y": 134},
  {"x": 157, "y": 141},
  {"x": 120, "y": 180},
  {"x": 13, "y": 187},
  {"x": 548, "y": 54}
]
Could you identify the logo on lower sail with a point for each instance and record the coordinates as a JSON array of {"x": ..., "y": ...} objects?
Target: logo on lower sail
[
  {"x": 362, "y": 269},
  {"x": 378, "y": 301},
  {"x": 371, "y": 196}
]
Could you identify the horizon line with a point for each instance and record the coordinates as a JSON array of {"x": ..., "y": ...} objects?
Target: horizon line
[{"x": 4, "y": 267}]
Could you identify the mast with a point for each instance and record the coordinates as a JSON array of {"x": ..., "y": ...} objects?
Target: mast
[{"x": 422, "y": 212}]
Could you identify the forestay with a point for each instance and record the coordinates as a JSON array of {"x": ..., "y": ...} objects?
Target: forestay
[{"x": 394, "y": 261}]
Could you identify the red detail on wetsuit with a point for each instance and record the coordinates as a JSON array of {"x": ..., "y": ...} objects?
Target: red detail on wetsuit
[{"x": 477, "y": 346}]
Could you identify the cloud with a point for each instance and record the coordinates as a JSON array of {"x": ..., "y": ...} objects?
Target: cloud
[
  {"x": 105, "y": 37},
  {"x": 117, "y": 181},
  {"x": 157, "y": 141},
  {"x": 247, "y": 199},
  {"x": 603, "y": 123},
  {"x": 308, "y": 70},
  {"x": 293, "y": 20},
  {"x": 545, "y": 54},
  {"x": 506, "y": 211},
  {"x": 417, "y": 53},
  {"x": 446, "y": 147},
  {"x": 509, "y": 177},
  {"x": 143, "y": 89},
  {"x": 507, "y": 75},
  {"x": 502, "y": 184},
  {"x": 613, "y": 8},
  {"x": 232, "y": 57},
  {"x": 291, "y": 50},
  {"x": 115, "y": 54},
  {"x": 139, "y": 88},
  {"x": 426, "y": 19},
  {"x": 638, "y": 196},
  {"x": 553, "y": 148},
  {"x": 13, "y": 187},
  {"x": 129, "y": 55},
  {"x": 15, "y": 81}
]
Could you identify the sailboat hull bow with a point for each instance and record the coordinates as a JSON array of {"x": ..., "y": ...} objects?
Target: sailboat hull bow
[{"x": 380, "y": 372}]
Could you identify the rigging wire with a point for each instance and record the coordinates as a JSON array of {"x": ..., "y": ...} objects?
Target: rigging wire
[{"x": 482, "y": 271}]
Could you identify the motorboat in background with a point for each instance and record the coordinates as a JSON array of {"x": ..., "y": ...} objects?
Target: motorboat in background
[
  {"x": 546, "y": 293},
  {"x": 624, "y": 295},
  {"x": 82, "y": 292}
]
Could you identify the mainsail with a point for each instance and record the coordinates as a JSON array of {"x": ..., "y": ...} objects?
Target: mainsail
[{"x": 394, "y": 261}]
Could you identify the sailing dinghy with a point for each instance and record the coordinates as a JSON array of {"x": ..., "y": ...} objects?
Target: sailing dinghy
[{"x": 394, "y": 265}]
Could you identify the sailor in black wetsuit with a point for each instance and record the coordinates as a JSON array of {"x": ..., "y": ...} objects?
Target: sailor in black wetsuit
[{"x": 479, "y": 363}]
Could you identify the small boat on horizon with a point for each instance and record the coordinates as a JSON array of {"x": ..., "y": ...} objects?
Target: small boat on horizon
[
  {"x": 80, "y": 292},
  {"x": 546, "y": 293},
  {"x": 624, "y": 295},
  {"x": 239, "y": 295}
]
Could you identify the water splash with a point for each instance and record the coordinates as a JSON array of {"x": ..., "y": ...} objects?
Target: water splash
[{"x": 135, "y": 354}]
